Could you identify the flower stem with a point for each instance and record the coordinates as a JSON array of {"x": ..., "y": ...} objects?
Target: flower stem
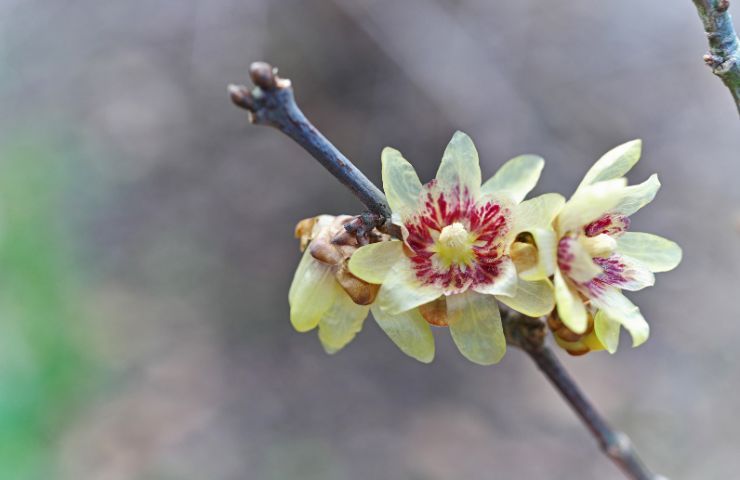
[
  {"x": 724, "y": 46},
  {"x": 528, "y": 334},
  {"x": 271, "y": 102}
]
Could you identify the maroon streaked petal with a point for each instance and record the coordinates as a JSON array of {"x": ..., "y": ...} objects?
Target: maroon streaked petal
[
  {"x": 488, "y": 220},
  {"x": 610, "y": 224}
]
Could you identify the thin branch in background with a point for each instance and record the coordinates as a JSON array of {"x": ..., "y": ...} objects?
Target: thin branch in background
[
  {"x": 724, "y": 46},
  {"x": 272, "y": 103}
]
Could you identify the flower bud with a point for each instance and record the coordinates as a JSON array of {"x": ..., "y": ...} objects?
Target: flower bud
[
  {"x": 574, "y": 343},
  {"x": 329, "y": 243},
  {"x": 435, "y": 312},
  {"x": 362, "y": 293}
]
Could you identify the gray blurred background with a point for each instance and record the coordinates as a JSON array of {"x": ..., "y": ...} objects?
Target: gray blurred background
[{"x": 180, "y": 216}]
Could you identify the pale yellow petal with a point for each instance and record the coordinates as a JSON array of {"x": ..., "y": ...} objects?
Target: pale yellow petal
[
  {"x": 607, "y": 331},
  {"x": 460, "y": 167},
  {"x": 611, "y": 196},
  {"x": 402, "y": 291},
  {"x": 657, "y": 253},
  {"x": 532, "y": 298},
  {"x": 570, "y": 307},
  {"x": 546, "y": 242},
  {"x": 537, "y": 212},
  {"x": 516, "y": 178},
  {"x": 311, "y": 294},
  {"x": 634, "y": 197},
  {"x": 614, "y": 163},
  {"x": 575, "y": 261},
  {"x": 536, "y": 216},
  {"x": 601, "y": 245},
  {"x": 619, "y": 308},
  {"x": 340, "y": 324},
  {"x": 400, "y": 183},
  {"x": 409, "y": 331},
  {"x": 505, "y": 283},
  {"x": 475, "y": 326},
  {"x": 373, "y": 262},
  {"x": 634, "y": 275},
  {"x": 589, "y": 203},
  {"x": 593, "y": 343}
]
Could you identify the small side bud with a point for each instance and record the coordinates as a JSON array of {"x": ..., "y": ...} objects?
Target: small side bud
[
  {"x": 711, "y": 60},
  {"x": 241, "y": 97},
  {"x": 364, "y": 228},
  {"x": 263, "y": 75}
]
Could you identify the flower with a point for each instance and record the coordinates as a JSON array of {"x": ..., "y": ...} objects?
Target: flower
[
  {"x": 597, "y": 257},
  {"x": 324, "y": 293},
  {"x": 465, "y": 246}
]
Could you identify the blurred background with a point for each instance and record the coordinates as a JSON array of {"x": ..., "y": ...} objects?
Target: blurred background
[{"x": 146, "y": 237}]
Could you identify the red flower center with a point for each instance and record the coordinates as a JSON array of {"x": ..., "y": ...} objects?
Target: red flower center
[{"x": 456, "y": 242}]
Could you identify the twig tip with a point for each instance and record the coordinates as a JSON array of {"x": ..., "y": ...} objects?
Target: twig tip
[
  {"x": 241, "y": 97},
  {"x": 263, "y": 75}
]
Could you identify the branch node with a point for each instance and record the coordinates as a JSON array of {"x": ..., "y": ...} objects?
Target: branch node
[
  {"x": 722, "y": 6},
  {"x": 619, "y": 446},
  {"x": 362, "y": 227},
  {"x": 524, "y": 332}
]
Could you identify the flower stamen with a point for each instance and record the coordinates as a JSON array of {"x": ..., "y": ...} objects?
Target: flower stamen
[{"x": 455, "y": 245}]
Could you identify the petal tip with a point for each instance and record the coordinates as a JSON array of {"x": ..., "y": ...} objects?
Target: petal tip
[
  {"x": 426, "y": 360},
  {"x": 679, "y": 259},
  {"x": 537, "y": 161},
  {"x": 388, "y": 151},
  {"x": 639, "y": 340},
  {"x": 300, "y": 325},
  {"x": 488, "y": 361},
  {"x": 460, "y": 135}
]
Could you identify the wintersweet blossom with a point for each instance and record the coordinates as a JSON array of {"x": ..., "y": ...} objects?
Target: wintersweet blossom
[
  {"x": 465, "y": 247},
  {"x": 324, "y": 293},
  {"x": 597, "y": 257}
]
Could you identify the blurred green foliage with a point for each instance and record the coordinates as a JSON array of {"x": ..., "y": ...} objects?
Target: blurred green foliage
[{"x": 42, "y": 365}]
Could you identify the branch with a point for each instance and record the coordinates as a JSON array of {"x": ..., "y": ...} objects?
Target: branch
[
  {"x": 271, "y": 102},
  {"x": 528, "y": 334},
  {"x": 724, "y": 46}
]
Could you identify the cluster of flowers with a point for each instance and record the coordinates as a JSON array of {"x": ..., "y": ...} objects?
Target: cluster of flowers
[{"x": 467, "y": 246}]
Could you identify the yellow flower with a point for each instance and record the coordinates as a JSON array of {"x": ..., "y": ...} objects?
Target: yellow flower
[
  {"x": 597, "y": 258},
  {"x": 465, "y": 246},
  {"x": 324, "y": 293}
]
